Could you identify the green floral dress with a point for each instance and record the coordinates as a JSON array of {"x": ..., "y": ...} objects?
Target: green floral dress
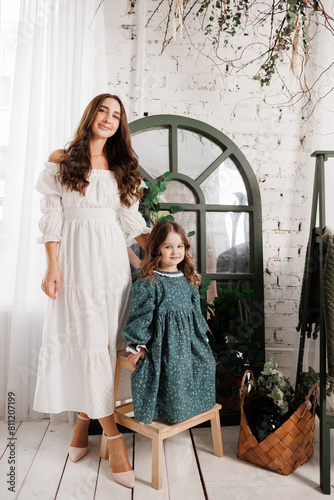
[{"x": 176, "y": 380}]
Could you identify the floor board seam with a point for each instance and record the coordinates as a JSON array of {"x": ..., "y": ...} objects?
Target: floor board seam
[
  {"x": 166, "y": 468},
  {"x": 97, "y": 477},
  {"x": 199, "y": 466},
  {"x": 61, "y": 477}
]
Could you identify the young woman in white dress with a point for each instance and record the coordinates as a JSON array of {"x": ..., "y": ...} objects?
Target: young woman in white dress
[{"x": 90, "y": 206}]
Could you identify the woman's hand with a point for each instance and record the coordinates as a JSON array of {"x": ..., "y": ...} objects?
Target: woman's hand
[
  {"x": 51, "y": 281},
  {"x": 134, "y": 358},
  {"x": 134, "y": 260}
]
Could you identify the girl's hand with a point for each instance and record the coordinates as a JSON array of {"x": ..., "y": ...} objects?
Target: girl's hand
[
  {"x": 134, "y": 358},
  {"x": 51, "y": 282}
]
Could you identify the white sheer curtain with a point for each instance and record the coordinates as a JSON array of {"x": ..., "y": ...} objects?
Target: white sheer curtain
[{"x": 60, "y": 67}]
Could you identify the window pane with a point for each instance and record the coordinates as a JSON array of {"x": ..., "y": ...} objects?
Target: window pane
[
  {"x": 240, "y": 285},
  {"x": 227, "y": 242},
  {"x": 195, "y": 153},
  {"x": 152, "y": 148},
  {"x": 225, "y": 185},
  {"x": 188, "y": 221},
  {"x": 177, "y": 192}
]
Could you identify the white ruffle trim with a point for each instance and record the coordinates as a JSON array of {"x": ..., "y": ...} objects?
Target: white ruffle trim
[
  {"x": 135, "y": 351},
  {"x": 130, "y": 239},
  {"x": 161, "y": 273}
]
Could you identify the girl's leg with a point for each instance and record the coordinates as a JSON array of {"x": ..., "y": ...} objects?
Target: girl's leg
[
  {"x": 80, "y": 435},
  {"x": 117, "y": 452}
]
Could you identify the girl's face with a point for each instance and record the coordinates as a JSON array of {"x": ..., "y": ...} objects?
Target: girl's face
[
  {"x": 107, "y": 119},
  {"x": 172, "y": 252}
]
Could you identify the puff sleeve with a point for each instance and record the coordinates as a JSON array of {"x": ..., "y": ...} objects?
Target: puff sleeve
[
  {"x": 140, "y": 325},
  {"x": 51, "y": 205},
  {"x": 132, "y": 223}
]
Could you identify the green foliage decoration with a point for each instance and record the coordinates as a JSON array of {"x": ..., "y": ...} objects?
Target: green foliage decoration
[
  {"x": 152, "y": 198},
  {"x": 272, "y": 383},
  {"x": 230, "y": 17},
  {"x": 281, "y": 30},
  {"x": 232, "y": 337}
]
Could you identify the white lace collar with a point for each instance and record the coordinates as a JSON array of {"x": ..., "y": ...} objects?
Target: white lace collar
[{"x": 174, "y": 274}]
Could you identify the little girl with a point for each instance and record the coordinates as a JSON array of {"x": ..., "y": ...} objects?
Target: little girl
[{"x": 174, "y": 377}]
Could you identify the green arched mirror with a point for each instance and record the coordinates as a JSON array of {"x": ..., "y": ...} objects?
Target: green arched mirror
[{"x": 216, "y": 186}]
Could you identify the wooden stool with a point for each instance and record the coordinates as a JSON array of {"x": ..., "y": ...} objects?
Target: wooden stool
[{"x": 158, "y": 431}]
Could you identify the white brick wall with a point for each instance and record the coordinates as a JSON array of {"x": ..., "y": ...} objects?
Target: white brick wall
[{"x": 276, "y": 140}]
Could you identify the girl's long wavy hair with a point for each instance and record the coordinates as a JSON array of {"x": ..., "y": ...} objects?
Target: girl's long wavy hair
[
  {"x": 152, "y": 258},
  {"x": 75, "y": 165}
]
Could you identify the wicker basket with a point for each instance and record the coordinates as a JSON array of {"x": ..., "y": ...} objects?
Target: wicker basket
[{"x": 290, "y": 446}]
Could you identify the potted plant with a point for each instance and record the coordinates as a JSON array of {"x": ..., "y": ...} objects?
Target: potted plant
[
  {"x": 276, "y": 400},
  {"x": 232, "y": 338}
]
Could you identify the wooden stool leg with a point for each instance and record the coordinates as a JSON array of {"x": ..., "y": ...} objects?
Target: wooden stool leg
[
  {"x": 104, "y": 453},
  {"x": 217, "y": 435},
  {"x": 157, "y": 448}
]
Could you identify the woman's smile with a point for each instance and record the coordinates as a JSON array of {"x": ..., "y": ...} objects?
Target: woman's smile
[{"x": 104, "y": 127}]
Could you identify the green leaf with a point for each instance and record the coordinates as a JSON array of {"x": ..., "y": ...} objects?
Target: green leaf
[
  {"x": 175, "y": 208},
  {"x": 165, "y": 217},
  {"x": 224, "y": 359},
  {"x": 243, "y": 349},
  {"x": 167, "y": 176},
  {"x": 148, "y": 198},
  {"x": 191, "y": 234},
  {"x": 251, "y": 356}
]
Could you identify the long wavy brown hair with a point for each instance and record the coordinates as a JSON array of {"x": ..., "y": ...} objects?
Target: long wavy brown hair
[
  {"x": 75, "y": 165},
  {"x": 152, "y": 258}
]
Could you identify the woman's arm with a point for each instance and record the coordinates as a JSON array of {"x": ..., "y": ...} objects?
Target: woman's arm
[
  {"x": 52, "y": 276},
  {"x": 134, "y": 260},
  {"x": 142, "y": 239}
]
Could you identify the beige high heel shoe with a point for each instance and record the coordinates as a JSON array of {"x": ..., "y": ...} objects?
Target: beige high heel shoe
[
  {"x": 76, "y": 453},
  {"x": 125, "y": 478}
]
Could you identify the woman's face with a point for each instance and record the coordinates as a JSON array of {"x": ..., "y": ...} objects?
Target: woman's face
[{"x": 107, "y": 120}]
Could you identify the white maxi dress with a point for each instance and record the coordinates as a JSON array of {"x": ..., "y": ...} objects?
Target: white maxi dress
[{"x": 82, "y": 327}]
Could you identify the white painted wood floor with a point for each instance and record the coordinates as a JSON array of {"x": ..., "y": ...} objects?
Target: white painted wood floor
[{"x": 44, "y": 472}]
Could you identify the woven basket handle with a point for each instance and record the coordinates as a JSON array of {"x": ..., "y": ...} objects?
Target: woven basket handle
[
  {"x": 242, "y": 391},
  {"x": 314, "y": 389}
]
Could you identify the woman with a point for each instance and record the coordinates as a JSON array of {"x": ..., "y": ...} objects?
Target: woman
[{"x": 90, "y": 206}]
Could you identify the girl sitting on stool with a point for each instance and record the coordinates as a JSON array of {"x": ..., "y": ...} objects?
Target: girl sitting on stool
[{"x": 174, "y": 377}]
